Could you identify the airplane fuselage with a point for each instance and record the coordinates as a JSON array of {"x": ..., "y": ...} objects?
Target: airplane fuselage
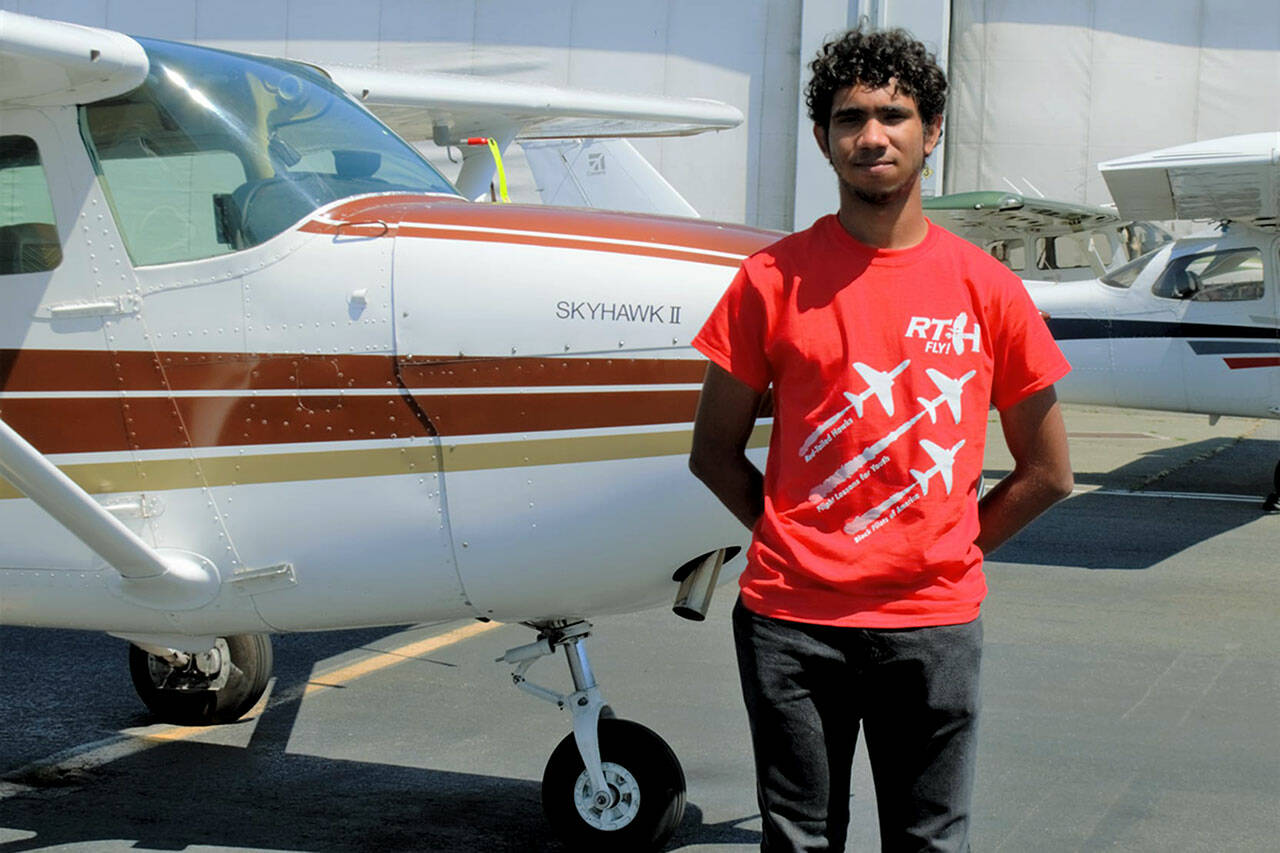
[
  {"x": 403, "y": 408},
  {"x": 1194, "y": 327}
]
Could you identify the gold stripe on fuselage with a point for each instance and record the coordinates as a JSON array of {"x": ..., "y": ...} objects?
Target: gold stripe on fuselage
[{"x": 156, "y": 475}]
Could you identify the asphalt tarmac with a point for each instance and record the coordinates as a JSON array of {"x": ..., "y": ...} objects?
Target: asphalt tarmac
[{"x": 1131, "y": 698}]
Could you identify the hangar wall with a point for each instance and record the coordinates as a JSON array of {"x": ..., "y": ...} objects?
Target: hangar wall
[{"x": 1042, "y": 92}]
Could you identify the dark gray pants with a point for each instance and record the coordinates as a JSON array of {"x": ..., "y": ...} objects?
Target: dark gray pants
[{"x": 915, "y": 693}]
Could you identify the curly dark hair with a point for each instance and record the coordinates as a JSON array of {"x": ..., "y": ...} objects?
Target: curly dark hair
[{"x": 872, "y": 58}]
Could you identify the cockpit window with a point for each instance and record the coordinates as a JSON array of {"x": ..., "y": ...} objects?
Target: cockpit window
[
  {"x": 1235, "y": 275},
  {"x": 28, "y": 234},
  {"x": 1127, "y": 274},
  {"x": 217, "y": 152}
]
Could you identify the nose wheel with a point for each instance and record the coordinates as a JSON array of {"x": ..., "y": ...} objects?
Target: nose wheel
[
  {"x": 612, "y": 784},
  {"x": 645, "y": 796}
]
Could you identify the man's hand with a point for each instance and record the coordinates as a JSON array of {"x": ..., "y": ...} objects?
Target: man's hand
[
  {"x": 1037, "y": 438},
  {"x": 726, "y": 415}
]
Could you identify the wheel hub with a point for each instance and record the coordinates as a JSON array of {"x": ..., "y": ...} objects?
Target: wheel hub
[
  {"x": 612, "y": 810},
  {"x": 200, "y": 672}
]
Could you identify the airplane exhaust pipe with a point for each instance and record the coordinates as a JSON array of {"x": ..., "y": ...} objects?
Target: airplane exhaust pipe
[{"x": 693, "y": 599}]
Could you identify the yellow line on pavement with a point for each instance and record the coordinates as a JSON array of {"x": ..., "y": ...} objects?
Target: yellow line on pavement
[
  {"x": 339, "y": 677},
  {"x": 391, "y": 657},
  {"x": 134, "y": 740}
]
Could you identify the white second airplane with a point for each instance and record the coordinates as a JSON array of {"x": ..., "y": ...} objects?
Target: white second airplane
[{"x": 1191, "y": 325}]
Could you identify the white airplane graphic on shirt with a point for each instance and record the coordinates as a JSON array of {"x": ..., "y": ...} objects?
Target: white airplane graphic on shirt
[
  {"x": 879, "y": 385},
  {"x": 943, "y": 461},
  {"x": 950, "y": 393}
]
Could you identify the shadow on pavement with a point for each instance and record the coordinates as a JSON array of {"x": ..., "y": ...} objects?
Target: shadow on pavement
[
  {"x": 259, "y": 797},
  {"x": 1105, "y": 530}
]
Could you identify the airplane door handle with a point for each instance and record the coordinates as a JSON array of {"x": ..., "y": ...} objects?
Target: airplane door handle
[{"x": 128, "y": 303}]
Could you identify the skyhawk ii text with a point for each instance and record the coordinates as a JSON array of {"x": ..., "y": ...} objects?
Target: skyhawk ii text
[{"x": 618, "y": 312}]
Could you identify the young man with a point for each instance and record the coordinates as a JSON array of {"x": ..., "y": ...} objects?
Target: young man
[{"x": 884, "y": 339}]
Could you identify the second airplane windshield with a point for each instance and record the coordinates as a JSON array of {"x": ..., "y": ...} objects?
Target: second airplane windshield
[{"x": 218, "y": 152}]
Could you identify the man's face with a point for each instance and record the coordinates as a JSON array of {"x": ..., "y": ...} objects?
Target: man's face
[{"x": 876, "y": 141}]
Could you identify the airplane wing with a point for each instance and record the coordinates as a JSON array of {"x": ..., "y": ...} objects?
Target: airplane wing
[
  {"x": 449, "y": 108},
  {"x": 985, "y": 216},
  {"x": 47, "y": 63},
  {"x": 1236, "y": 177}
]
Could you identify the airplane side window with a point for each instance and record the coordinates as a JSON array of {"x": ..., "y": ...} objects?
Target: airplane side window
[
  {"x": 1232, "y": 276},
  {"x": 1101, "y": 246},
  {"x": 1064, "y": 252},
  {"x": 1011, "y": 253},
  {"x": 28, "y": 234}
]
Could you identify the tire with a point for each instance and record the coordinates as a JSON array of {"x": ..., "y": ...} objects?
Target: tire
[
  {"x": 642, "y": 771},
  {"x": 189, "y": 698}
]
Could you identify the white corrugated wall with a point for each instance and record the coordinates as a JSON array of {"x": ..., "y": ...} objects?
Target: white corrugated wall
[{"x": 1042, "y": 92}]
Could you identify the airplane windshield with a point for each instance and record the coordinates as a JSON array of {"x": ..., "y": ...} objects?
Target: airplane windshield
[
  {"x": 1126, "y": 275},
  {"x": 219, "y": 151}
]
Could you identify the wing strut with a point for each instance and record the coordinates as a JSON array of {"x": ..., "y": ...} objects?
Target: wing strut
[{"x": 173, "y": 580}]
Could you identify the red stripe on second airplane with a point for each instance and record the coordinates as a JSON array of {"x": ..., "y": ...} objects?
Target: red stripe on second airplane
[{"x": 1253, "y": 361}]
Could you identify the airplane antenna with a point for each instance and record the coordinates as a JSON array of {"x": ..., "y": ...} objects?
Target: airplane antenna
[
  {"x": 1012, "y": 186},
  {"x": 1034, "y": 188}
]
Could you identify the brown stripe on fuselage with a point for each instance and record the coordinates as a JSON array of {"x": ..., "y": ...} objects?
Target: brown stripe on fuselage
[
  {"x": 556, "y": 241},
  {"x": 112, "y": 424},
  {"x": 28, "y": 370},
  {"x": 562, "y": 222}
]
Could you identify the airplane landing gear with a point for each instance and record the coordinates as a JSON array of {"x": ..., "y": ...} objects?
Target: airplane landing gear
[
  {"x": 216, "y": 686},
  {"x": 612, "y": 784}
]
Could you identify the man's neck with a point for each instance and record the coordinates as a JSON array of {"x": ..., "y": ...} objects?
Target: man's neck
[{"x": 898, "y": 223}]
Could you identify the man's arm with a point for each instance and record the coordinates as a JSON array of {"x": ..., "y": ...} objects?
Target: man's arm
[
  {"x": 1037, "y": 438},
  {"x": 726, "y": 414}
]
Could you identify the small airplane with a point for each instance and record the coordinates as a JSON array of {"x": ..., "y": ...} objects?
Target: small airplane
[
  {"x": 879, "y": 385},
  {"x": 943, "y": 461},
  {"x": 263, "y": 369},
  {"x": 949, "y": 392},
  {"x": 1191, "y": 325}
]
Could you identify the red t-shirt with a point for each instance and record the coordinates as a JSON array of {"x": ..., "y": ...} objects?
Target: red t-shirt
[{"x": 883, "y": 365}]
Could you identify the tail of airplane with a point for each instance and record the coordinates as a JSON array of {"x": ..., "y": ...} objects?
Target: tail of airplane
[
  {"x": 602, "y": 173},
  {"x": 930, "y": 406}
]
